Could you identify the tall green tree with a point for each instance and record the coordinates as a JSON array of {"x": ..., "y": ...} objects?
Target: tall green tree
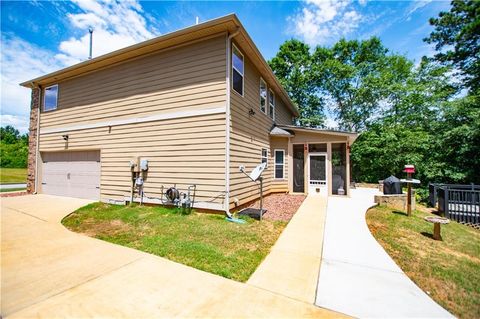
[
  {"x": 9, "y": 134},
  {"x": 457, "y": 141},
  {"x": 292, "y": 66},
  {"x": 406, "y": 113},
  {"x": 13, "y": 148},
  {"x": 414, "y": 94},
  {"x": 408, "y": 130},
  {"x": 457, "y": 39},
  {"x": 351, "y": 75}
]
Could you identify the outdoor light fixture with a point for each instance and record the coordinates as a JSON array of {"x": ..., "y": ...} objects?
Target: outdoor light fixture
[
  {"x": 251, "y": 112},
  {"x": 65, "y": 137}
]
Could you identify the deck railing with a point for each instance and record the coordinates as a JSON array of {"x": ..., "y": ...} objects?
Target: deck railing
[{"x": 457, "y": 202}]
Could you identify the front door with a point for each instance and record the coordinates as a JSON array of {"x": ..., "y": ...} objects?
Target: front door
[
  {"x": 298, "y": 169},
  {"x": 317, "y": 173}
]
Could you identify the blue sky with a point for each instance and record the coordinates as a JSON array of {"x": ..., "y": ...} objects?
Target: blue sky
[{"x": 42, "y": 36}]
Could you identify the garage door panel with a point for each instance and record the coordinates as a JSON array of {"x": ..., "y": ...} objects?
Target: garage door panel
[{"x": 73, "y": 174}]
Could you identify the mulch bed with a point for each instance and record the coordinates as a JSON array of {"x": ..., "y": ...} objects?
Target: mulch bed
[{"x": 279, "y": 206}]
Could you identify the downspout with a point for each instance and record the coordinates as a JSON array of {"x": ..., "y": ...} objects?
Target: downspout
[
  {"x": 38, "y": 136},
  {"x": 227, "y": 128}
]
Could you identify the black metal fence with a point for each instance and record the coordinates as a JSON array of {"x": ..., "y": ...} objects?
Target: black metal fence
[{"x": 457, "y": 202}]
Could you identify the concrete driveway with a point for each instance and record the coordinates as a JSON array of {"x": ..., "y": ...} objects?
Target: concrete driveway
[{"x": 48, "y": 271}]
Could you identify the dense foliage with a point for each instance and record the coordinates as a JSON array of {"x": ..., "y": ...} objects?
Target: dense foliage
[
  {"x": 13, "y": 148},
  {"x": 458, "y": 31},
  {"x": 406, "y": 113},
  {"x": 290, "y": 65}
]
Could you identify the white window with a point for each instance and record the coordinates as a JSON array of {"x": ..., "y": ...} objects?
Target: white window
[
  {"x": 237, "y": 70},
  {"x": 265, "y": 156},
  {"x": 271, "y": 104},
  {"x": 263, "y": 96},
  {"x": 50, "y": 98},
  {"x": 279, "y": 164}
]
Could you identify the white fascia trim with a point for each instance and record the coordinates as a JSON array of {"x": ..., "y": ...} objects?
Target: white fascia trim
[{"x": 133, "y": 120}]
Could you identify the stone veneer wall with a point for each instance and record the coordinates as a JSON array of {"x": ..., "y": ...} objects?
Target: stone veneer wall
[
  {"x": 32, "y": 139},
  {"x": 395, "y": 201}
]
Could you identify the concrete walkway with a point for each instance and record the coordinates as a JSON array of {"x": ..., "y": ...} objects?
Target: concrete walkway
[
  {"x": 291, "y": 269},
  {"x": 48, "y": 271},
  {"x": 357, "y": 276}
]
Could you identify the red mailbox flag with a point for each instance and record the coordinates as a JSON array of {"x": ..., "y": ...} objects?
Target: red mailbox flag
[{"x": 409, "y": 169}]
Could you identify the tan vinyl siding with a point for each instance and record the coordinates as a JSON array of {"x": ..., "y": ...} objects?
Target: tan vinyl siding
[
  {"x": 249, "y": 134},
  {"x": 191, "y": 77},
  {"x": 283, "y": 116},
  {"x": 181, "y": 151}
]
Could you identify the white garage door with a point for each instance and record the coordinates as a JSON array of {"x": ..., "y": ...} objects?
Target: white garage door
[{"x": 72, "y": 174}]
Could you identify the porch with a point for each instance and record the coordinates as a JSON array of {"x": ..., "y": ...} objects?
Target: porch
[{"x": 318, "y": 160}]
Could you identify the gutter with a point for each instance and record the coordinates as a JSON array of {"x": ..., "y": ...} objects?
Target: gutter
[{"x": 227, "y": 127}]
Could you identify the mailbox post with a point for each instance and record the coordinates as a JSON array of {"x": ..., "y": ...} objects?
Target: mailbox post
[{"x": 409, "y": 169}]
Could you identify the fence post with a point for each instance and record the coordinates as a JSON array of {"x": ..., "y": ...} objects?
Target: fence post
[
  {"x": 473, "y": 209},
  {"x": 477, "y": 214},
  {"x": 445, "y": 202}
]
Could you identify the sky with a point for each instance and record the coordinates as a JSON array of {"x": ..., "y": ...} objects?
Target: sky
[{"x": 38, "y": 37}]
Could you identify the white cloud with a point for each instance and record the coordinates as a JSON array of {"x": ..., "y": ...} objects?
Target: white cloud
[
  {"x": 331, "y": 123},
  {"x": 321, "y": 21},
  {"x": 116, "y": 24},
  {"x": 19, "y": 122},
  {"x": 20, "y": 61},
  {"x": 416, "y": 5}
]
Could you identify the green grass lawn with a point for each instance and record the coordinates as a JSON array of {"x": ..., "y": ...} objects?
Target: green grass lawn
[
  {"x": 448, "y": 270},
  {"x": 203, "y": 241},
  {"x": 13, "y": 175},
  {"x": 12, "y": 190}
]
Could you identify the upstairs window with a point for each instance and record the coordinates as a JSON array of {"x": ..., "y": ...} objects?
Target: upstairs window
[
  {"x": 271, "y": 104},
  {"x": 265, "y": 156},
  {"x": 263, "y": 96},
  {"x": 50, "y": 98},
  {"x": 237, "y": 70}
]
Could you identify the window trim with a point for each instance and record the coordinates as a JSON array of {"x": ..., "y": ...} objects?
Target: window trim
[
  {"x": 45, "y": 96},
  {"x": 275, "y": 164},
  {"x": 264, "y": 157},
  {"x": 234, "y": 68},
  {"x": 260, "y": 93},
  {"x": 272, "y": 116}
]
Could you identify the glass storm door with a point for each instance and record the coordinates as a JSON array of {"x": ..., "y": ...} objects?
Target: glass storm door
[
  {"x": 317, "y": 174},
  {"x": 298, "y": 168}
]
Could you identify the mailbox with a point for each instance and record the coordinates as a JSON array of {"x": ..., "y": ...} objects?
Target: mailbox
[{"x": 409, "y": 169}]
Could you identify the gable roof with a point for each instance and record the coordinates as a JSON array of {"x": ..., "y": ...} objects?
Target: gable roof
[
  {"x": 277, "y": 131},
  {"x": 228, "y": 24},
  {"x": 351, "y": 136}
]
